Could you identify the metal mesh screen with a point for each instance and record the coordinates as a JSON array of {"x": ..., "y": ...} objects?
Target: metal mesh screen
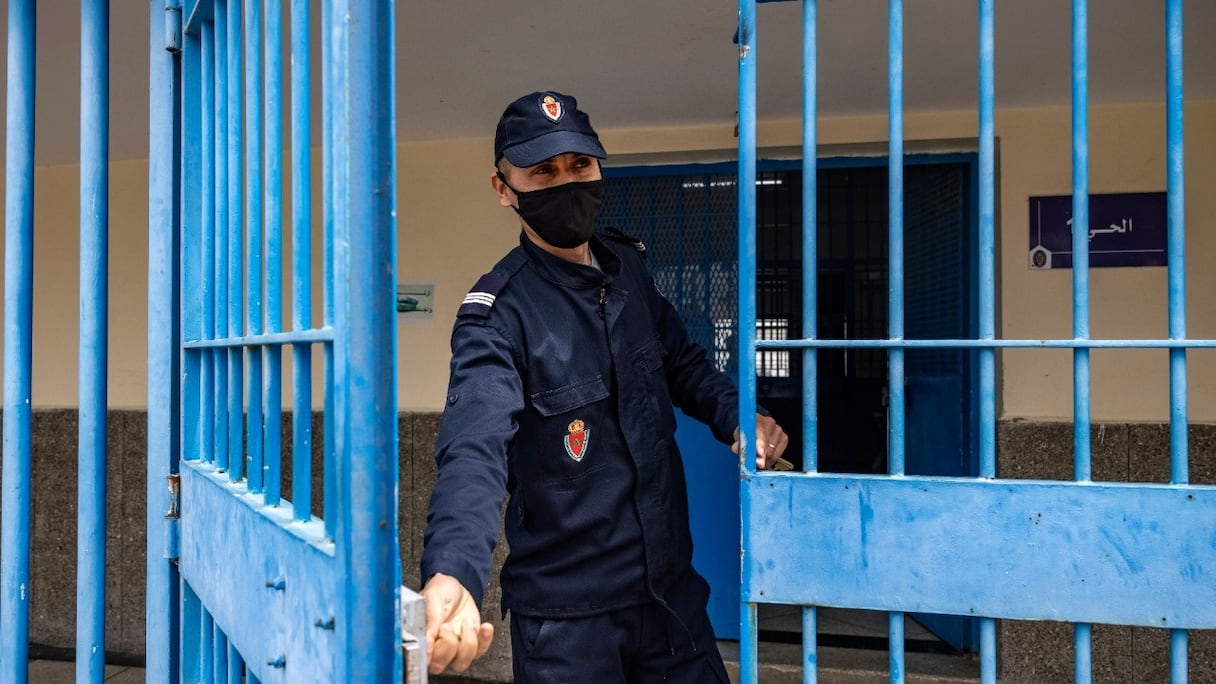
[{"x": 687, "y": 221}]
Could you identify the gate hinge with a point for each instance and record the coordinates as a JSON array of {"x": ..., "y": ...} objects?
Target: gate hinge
[
  {"x": 173, "y": 518},
  {"x": 173, "y": 27}
]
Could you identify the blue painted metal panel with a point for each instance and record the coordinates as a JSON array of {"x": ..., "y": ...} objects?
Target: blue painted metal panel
[
  {"x": 286, "y": 569},
  {"x": 1115, "y": 553},
  {"x": 92, "y": 340},
  {"x": 18, "y": 343}
]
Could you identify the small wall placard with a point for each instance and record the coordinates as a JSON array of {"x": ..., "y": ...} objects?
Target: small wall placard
[
  {"x": 415, "y": 300},
  {"x": 1125, "y": 229}
]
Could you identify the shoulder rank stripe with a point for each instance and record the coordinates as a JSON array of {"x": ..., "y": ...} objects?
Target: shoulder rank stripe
[
  {"x": 480, "y": 299},
  {"x": 616, "y": 234}
]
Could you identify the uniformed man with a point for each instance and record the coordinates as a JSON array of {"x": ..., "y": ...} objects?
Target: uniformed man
[{"x": 566, "y": 364}]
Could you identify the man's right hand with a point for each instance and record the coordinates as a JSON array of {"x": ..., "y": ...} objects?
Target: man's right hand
[{"x": 455, "y": 634}]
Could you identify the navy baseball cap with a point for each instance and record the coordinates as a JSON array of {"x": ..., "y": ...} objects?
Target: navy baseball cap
[{"x": 542, "y": 125}]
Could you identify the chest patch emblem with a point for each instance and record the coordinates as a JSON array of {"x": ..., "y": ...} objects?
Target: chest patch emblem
[{"x": 577, "y": 440}]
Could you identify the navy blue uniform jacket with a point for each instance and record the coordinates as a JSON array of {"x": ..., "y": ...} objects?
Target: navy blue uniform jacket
[{"x": 562, "y": 383}]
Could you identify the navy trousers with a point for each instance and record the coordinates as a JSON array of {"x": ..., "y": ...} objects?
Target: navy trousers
[{"x": 637, "y": 645}]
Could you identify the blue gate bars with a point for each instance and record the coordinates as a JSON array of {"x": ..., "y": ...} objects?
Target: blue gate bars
[
  {"x": 336, "y": 578},
  {"x": 885, "y": 542}
]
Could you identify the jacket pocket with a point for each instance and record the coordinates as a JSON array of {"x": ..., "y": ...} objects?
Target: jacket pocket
[
  {"x": 562, "y": 399},
  {"x": 650, "y": 357}
]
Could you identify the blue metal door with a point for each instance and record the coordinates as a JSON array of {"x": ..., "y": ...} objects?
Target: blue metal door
[
  {"x": 938, "y": 390},
  {"x": 249, "y": 580},
  {"x": 1081, "y": 552}
]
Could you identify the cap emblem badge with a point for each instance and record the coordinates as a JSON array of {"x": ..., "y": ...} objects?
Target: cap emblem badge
[
  {"x": 577, "y": 440},
  {"x": 551, "y": 107}
]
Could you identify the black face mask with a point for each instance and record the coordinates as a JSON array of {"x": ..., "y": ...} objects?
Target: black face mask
[{"x": 563, "y": 215}]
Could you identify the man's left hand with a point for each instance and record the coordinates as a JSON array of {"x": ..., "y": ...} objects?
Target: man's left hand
[{"x": 771, "y": 442}]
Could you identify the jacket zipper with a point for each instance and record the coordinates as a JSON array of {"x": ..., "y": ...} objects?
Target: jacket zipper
[{"x": 603, "y": 298}]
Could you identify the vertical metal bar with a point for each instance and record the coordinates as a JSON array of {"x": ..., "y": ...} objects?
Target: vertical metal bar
[
  {"x": 273, "y": 151},
  {"x": 1176, "y": 261},
  {"x": 988, "y": 652},
  {"x": 236, "y": 666},
  {"x": 219, "y": 653},
  {"x": 205, "y": 282},
  {"x": 301, "y": 247},
  {"x": 161, "y": 625},
  {"x": 1080, "y": 280},
  {"x": 253, "y": 237},
  {"x": 18, "y": 343},
  {"x": 206, "y": 648},
  {"x": 895, "y": 640},
  {"x": 747, "y": 230},
  {"x": 810, "y": 635},
  {"x": 895, "y": 239},
  {"x": 1176, "y": 240},
  {"x": 190, "y": 652},
  {"x": 1178, "y": 656},
  {"x": 1083, "y": 641},
  {"x": 748, "y": 667},
  {"x": 329, "y": 135},
  {"x": 93, "y": 349},
  {"x": 1080, "y": 237},
  {"x": 235, "y": 266},
  {"x": 192, "y": 233},
  {"x": 365, "y": 343},
  {"x": 987, "y": 242},
  {"x": 220, "y": 398},
  {"x": 810, "y": 242}
]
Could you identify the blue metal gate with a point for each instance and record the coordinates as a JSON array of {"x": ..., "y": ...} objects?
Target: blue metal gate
[
  {"x": 247, "y": 579},
  {"x": 1082, "y": 552}
]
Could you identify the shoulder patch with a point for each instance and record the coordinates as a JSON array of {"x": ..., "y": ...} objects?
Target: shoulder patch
[{"x": 480, "y": 299}]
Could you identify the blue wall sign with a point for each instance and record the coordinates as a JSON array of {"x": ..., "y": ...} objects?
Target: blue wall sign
[{"x": 1125, "y": 229}]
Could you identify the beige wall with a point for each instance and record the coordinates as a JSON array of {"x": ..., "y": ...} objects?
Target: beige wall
[
  {"x": 57, "y": 279},
  {"x": 452, "y": 230}
]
